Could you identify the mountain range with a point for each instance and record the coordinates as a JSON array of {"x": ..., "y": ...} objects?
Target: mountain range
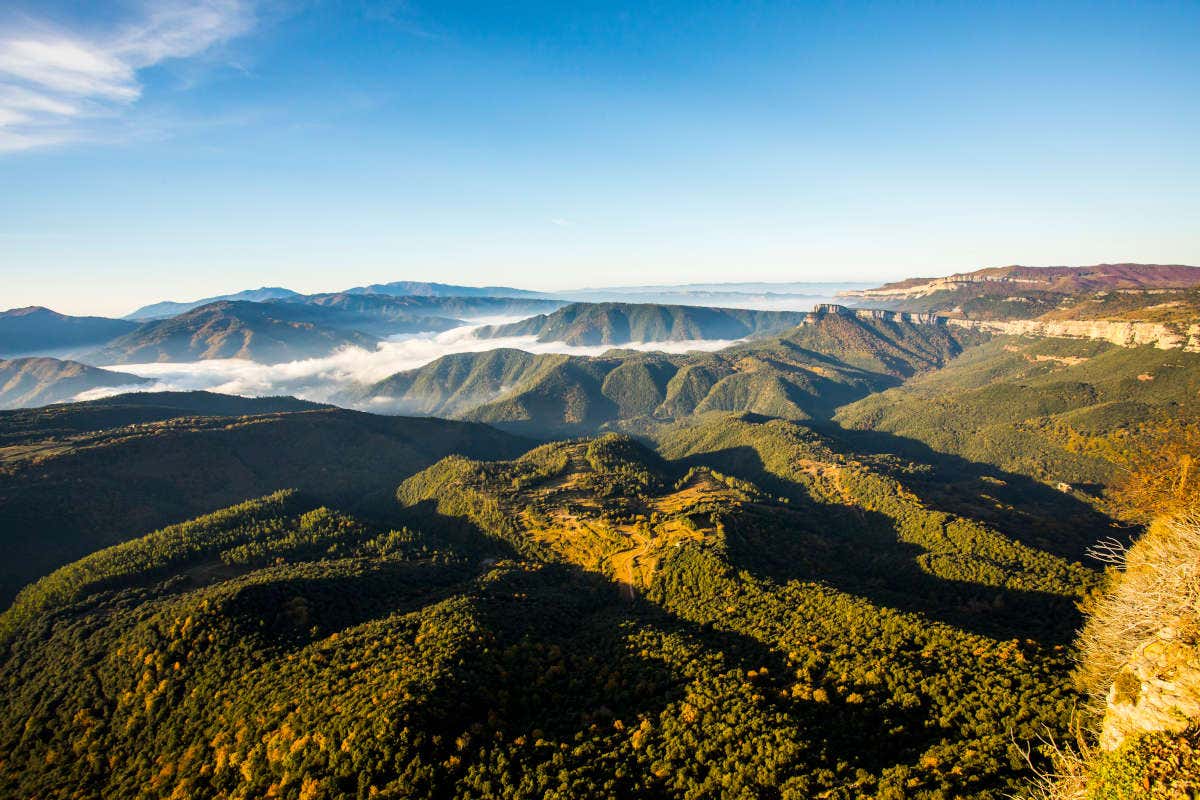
[{"x": 834, "y": 357}]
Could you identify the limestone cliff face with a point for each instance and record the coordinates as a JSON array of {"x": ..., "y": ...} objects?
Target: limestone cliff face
[
  {"x": 1125, "y": 334},
  {"x": 871, "y": 313},
  {"x": 1157, "y": 690}
]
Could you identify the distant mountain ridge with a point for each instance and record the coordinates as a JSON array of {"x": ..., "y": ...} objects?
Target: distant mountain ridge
[
  {"x": 429, "y": 289},
  {"x": 624, "y": 323},
  {"x": 169, "y": 308},
  {"x": 426, "y": 306},
  {"x": 1059, "y": 279},
  {"x": 66, "y": 421},
  {"x": 38, "y": 330},
  {"x": 28, "y": 382}
]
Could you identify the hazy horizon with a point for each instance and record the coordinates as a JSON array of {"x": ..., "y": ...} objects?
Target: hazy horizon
[{"x": 123, "y": 306}]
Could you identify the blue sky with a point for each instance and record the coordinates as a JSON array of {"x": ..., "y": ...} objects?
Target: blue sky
[{"x": 170, "y": 150}]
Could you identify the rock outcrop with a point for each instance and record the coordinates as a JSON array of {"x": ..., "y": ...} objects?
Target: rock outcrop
[
  {"x": 1140, "y": 651},
  {"x": 1157, "y": 690}
]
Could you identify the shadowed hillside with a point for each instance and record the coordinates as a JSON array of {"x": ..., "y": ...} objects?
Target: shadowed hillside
[{"x": 64, "y": 495}]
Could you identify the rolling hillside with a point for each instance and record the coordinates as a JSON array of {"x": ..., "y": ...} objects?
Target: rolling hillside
[
  {"x": 27, "y": 382},
  {"x": 37, "y": 330},
  {"x": 590, "y": 324}
]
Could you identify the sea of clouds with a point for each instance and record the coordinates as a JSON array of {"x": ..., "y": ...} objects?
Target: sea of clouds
[{"x": 327, "y": 379}]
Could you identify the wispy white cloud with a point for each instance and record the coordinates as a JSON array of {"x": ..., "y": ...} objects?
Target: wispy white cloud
[{"x": 54, "y": 80}]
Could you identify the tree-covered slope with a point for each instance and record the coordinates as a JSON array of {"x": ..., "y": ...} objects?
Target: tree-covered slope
[
  {"x": 589, "y": 620},
  {"x": 27, "y": 382},
  {"x": 1064, "y": 411},
  {"x": 624, "y": 323},
  {"x": 64, "y": 494}
]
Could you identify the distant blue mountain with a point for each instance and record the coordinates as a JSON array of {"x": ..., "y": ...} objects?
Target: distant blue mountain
[
  {"x": 38, "y": 330},
  {"x": 170, "y": 309}
]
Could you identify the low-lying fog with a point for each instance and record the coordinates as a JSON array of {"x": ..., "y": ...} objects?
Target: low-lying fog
[{"x": 323, "y": 379}]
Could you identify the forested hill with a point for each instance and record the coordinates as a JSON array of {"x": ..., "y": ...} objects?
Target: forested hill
[
  {"x": 623, "y": 323},
  {"x": 830, "y": 360},
  {"x": 40, "y": 381},
  {"x": 85, "y": 476},
  {"x": 763, "y": 614}
]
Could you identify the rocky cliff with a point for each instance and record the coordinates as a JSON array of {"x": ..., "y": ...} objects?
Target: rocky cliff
[
  {"x": 1125, "y": 334},
  {"x": 1157, "y": 689},
  {"x": 1140, "y": 664}
]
